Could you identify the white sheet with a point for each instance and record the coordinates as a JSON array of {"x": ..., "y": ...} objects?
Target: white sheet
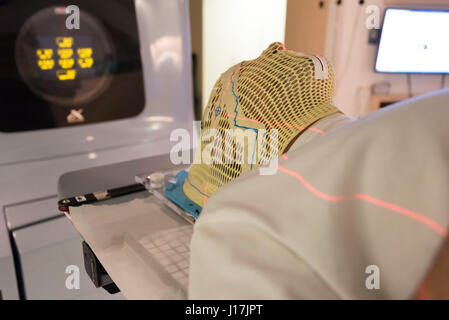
[
  {"x": 119, "y": 231},
  {"x": 370, "y": 192}
]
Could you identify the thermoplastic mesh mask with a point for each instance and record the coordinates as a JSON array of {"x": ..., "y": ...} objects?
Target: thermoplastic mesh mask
[{"x": 280, "y": 90}]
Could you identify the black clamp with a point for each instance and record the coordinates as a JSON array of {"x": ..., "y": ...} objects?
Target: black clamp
[{"x": 97, "y": 272}]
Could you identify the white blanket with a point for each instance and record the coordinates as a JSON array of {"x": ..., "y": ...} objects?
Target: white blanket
[{"x": 358, "y": 213}]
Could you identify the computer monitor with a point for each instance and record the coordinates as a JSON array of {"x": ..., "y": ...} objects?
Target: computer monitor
[{"x": 414, "y": 41}]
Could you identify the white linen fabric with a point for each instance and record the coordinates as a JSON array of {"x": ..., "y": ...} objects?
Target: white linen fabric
[{"x": 352, "y": 194}]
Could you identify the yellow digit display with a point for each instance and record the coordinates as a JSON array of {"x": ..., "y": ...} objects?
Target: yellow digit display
[
  {"x": 85, "y": 52},
  {"x": 65, "y": 75},
  {"x": 46, "y": 64},
  {"x": 64, "y": 42},
  {"x": 45, "y": 61},
  {"x": 65, "y": 58},
  {"x": 44, "y": 54},
  {"x": 66, "y": 63},
  {"x": 65, "y": 53},
  {"x": 86, "y": 63},
  {"x": 59, "y": 65}
]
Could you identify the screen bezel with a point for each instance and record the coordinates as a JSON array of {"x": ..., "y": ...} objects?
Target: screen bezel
[{"x": 426, "y": 9}]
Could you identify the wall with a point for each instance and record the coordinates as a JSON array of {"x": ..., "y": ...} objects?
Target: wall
[
  {"x": 305, "y": 29},
  {"x": 236, "y": 30},
  {"x": 353, "y": 58},
  {"x": 196, "y": 35}
]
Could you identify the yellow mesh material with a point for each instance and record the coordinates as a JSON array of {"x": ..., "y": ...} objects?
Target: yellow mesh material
[{"x": 278, "y": 90}]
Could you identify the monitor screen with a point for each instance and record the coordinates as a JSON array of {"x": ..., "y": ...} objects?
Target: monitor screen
[{"x": 414, "y": 41}]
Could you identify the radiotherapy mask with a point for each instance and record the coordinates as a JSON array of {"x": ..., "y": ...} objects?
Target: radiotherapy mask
[{"x": 281, "y": 91}]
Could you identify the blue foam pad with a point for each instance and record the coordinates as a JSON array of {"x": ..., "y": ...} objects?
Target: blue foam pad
[{"x": 174, "y": 192}]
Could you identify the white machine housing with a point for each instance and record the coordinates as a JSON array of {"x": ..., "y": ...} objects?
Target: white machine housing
[{"x": 36, "y": 245}]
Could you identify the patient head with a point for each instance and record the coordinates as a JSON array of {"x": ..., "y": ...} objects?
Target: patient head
[{"x": 257, "y": 108}]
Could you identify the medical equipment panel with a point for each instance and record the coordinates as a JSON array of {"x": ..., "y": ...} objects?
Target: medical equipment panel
[{"x": 64, "y": 68}]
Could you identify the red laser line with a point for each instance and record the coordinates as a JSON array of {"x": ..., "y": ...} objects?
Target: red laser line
[
  {"x": 205, "y": 192},
  {"x": 380, "y": 203}
]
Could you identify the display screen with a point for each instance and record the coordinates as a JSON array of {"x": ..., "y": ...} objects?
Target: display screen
[
  {"x": 65, "y": 58},
  {"x": 414, "y": 41},
  {"x": 61, "y": 65},
  {"x": 54, "y": 76}
]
